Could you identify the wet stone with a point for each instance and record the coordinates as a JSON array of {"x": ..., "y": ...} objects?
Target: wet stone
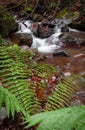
[
  {"x": 43, "y": 30},
  {"x": 22, "y": 39},
  {"x": 73, "y": 39},
  {"x": 61, "y": 53}
]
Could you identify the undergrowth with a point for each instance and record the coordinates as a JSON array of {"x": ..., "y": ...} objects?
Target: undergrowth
[{"x": 22, "y": 89}]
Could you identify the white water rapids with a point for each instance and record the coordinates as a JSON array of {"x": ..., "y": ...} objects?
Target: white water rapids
[{"x": 45, "y": 45}]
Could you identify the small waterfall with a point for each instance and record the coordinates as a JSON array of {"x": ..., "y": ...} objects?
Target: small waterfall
[
  {"x": 24, "y": 28},
  {"x": 46, "y": 45},
  {"x": 37, "y": 42}
]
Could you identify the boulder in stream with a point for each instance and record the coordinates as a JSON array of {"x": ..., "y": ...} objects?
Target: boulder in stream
[
  {"x": 73, "y": 39},
  {"x": 22, "y": 39}
]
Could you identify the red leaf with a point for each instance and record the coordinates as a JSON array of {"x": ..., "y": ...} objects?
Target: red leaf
[{"x": 40, "y": 93}]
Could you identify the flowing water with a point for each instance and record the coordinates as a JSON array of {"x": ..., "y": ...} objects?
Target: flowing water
[
  {"x": 75, "y": 63},
  {"x": 45, "y": 45}
]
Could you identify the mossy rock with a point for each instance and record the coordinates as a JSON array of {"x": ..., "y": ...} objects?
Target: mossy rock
[{"x": 7, "y": 23}]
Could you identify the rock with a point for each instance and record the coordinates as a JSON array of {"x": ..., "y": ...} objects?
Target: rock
[
  {"x": 61, "y": 53},
  {"x": 3, "y": 114},
  {"x": 7, "y": 23},
  {"x": 46, "y": 29},
  {"x": 43, "y": 30},
  {"x": 22, "y": 39},
  {"x": 62, "y": 26},
  {"x": 61, "y": 21},
  {"x": 27, "y": 42},
  {"x": 24, "y": 47},
  {"x": 72, "y": 39},
  {"x": 80, "y": 26},
  {"x": 39, "y": 57}
]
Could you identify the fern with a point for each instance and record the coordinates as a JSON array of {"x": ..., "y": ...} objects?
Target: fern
[
  {"x": 13, "y": 74},
  {"x": 65, "y": 90},
  {"x": 19, "y": 95},
  {"x": 45, "y": 70},
  {"x": 62, "y": 119},
  {"x": 10, "y": 101}
]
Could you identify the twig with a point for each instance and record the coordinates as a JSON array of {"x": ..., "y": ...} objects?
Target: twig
[
  {"x": 37, "y": 3},
  {"x": 15, "y": 6},
  {"x": 19, "y": 4}
]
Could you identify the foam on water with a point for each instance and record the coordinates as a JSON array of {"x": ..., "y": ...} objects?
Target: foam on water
[{"x": 48, "y": 49}]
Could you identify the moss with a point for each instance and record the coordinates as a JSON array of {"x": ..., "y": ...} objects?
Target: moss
[
  {"x": 27, "y": 9},
  {"x": 7, "y": 23},
  {"x": 63, "y": 13},
  {"x": 52, "y": 5},
  {"x": 67, "y": 14},
  {"x": 75, "y": 16}
]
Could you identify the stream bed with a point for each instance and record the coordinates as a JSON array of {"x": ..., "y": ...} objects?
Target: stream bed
[
  {"x": 74, "y": 64},
  {"x": 49, "y": 39}
]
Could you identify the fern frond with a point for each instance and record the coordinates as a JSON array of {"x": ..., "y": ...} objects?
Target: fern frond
[
  {"x": 61, "y": 119},
  {"x": 64, "y": 92},
  {"x": 10, "y": 101},
  {"x": 45, "y": 70},
  {"x": 14, "y": 74}
]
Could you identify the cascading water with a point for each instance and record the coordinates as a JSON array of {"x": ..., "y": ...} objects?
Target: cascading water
[
  {"x": 50, "y": 44},
  {"x": 45, "y": 45},
  {"x": 22, "y": 28}
]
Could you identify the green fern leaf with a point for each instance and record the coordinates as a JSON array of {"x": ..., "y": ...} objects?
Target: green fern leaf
[
  {"x": 7, "y": 103},
  {"x": 61, "y": 119},
  {"x": 11, "y": 102},
  {"x": 64, "y": 92},
  {"x": 14, "y": 73},
  {"x": 1, "y": 97}
]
